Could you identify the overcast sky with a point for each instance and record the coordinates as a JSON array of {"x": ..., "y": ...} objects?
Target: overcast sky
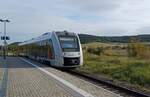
[{"x": 30, "y": 18}]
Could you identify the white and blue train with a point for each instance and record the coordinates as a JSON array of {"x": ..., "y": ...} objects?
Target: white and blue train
[{"x": 59, "y": 49}]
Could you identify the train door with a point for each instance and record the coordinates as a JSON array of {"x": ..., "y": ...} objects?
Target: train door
[{"x": 50, "y": 51}]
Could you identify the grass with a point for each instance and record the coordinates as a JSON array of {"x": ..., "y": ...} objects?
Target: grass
[{"x": 119, "y": 66}]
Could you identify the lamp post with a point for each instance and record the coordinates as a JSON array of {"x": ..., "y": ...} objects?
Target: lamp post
[{"x": 4, "y": 21}]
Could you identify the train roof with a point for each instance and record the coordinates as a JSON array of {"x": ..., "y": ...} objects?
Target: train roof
[{"x": 44, "y": 36}]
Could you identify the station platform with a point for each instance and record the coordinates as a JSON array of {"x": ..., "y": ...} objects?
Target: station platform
[{"x": 27, "y": 78}]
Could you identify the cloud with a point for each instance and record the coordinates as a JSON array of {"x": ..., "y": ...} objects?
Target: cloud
[
  {"x": 143, "y": 30},
  {"x": 30, "y": 18},
  {"x": 94, "y": 5}
]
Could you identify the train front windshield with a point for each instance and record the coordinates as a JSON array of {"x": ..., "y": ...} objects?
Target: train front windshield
[{"x": 69, "y": 44}]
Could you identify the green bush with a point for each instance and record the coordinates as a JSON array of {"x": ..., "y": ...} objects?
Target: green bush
[
  {"x": 140, "y": 50},
  {"x": 84, "y": 48},
  {"x": 96, "y": 51}
]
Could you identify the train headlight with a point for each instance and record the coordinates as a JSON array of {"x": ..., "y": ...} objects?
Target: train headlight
[{"x": 74, "y": 61}]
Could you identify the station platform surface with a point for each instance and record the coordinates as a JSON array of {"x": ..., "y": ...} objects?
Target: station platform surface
[{"x": 27, "y": 78}]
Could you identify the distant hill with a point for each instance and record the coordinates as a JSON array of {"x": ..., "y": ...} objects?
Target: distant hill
[{"x": 85, "y": 38}]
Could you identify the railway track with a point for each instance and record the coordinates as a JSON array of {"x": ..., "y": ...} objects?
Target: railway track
[{"x": 122, "y": 90}]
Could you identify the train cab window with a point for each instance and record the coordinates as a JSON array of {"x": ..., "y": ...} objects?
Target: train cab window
[{"x": 69, "y": 43}]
